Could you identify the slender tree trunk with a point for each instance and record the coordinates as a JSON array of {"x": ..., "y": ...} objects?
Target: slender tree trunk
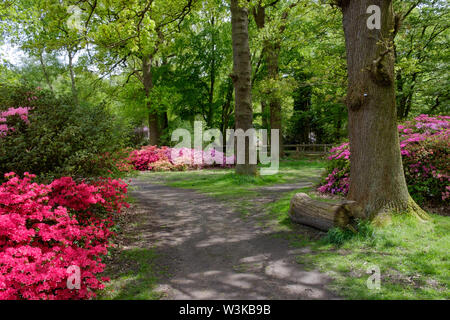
[
  {"x": 338, "y": 129},
  {"x": 242, "y": 72},
  {"x": 72, "y": 77},
  {"x": 153, "y": 121},
  {"x": 409, "y": 97},
  {"x": 212, "y": 79},
  {"x": 273, "y": 52},
  {"x": 227, "y": 111},
  {"x": 265, "y": 115},
  {"x": 401, "y": 96},
  {"x": 164, "y": 123},
  {"x": 436, "y": 105},
  {"x": 377, "y": 181},
  {"x": 44, "y": 70}
]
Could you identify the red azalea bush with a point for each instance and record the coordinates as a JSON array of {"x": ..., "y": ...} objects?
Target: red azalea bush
[
  {"x": 424, "y": 146},
  {"x": 45, "y": 229},
  {"x": 113, "y": 192}
]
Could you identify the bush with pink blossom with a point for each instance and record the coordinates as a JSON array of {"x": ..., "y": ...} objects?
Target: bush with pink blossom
[
  {"x": 46, "y": 229},
  {"x": 425, "y": 145},
  {"x": 153, "y": 158},
  {"x": 5, "y": 116}
]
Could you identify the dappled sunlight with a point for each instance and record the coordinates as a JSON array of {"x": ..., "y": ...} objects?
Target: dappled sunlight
[{"x": 214, "y": 254}]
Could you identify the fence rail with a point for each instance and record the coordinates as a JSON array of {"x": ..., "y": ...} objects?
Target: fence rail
[{"x": 318, "y": 149}]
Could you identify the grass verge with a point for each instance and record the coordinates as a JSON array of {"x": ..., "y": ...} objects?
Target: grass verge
[
  {"x": 412, "y": 257},
  {"x": 134, "y": 278}
]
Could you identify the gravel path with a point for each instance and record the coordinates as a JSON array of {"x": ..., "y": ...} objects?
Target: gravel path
[{"x": 210, "y": 252}]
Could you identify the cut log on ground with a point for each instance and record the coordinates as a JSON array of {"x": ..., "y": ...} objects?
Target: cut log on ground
[{"x": 323, "y": 215}]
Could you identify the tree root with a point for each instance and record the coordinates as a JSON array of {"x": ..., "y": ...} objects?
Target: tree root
[
  {"x": 383, "y": 216},
  {"x": 416, "y": 211}
]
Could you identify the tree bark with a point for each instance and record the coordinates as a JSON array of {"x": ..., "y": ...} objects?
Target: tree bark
[
  {"x": 44, "y": 70},
  {"x": 227, "y": 108},
  {"x": 72, "y": 77},
  {"x": 377, "y": 181},
  {"x": 212, "y": 79},
  {"x": 153, "y": 121},
  {"x": 242, "y": 79},
  {"x": 273, "y": 52},
  {"x": 265, "y": 115},
  {"x": 323, "y": 215}
]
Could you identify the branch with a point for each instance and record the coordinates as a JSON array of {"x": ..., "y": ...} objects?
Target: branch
[
  {"x": 400, "y": 18},
  {"x": 91, "y": 13}
]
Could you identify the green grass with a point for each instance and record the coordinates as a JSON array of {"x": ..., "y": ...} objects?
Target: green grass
[
  {"x": 225, "y": 184},
  {"x": 413, "y": 257},
  {"x": 134, "y": 278}
]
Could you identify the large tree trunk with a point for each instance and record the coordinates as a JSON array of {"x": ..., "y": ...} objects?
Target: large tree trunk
[
  {"x": 377, "y": 181},
  {"x": 242, "y": 79},
  {"x": 153, "y": 120}
]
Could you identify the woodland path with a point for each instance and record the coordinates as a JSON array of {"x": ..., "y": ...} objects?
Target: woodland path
[{"x": 211, "y": 252}]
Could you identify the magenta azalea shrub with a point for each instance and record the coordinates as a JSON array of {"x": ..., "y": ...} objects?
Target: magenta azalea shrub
[
  {"x": 46, "y": 229},
  {"x": 22, "y": 112},
  {"x": 152, "y": 158},
  {"x": 425, "y": 145}
]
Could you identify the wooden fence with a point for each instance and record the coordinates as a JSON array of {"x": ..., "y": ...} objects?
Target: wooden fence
[
  {"x": 320, "y": 149},
  {"x": 306, "y": 149}
]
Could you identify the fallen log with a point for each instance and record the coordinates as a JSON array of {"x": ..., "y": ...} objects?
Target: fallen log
[{"x": 323, "y": 215}]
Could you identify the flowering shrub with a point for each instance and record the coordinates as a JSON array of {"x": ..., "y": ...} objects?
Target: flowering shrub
[
  {"x": 43, "y": 232},
  {"x": 166, "y": 165},
  {"x": 144, "y": 158},
  {"x": 51, "y": 137},
  {"x": 201, "y": 158},
  {"x": 21, "y": 112},
  {"x": 113, "y": 192},
  {"x": 424, "y": 144},
  {"x": 337, "y": 182},
  {"x": 152, "y": 158},
  {"x": 78, "y": 197}
]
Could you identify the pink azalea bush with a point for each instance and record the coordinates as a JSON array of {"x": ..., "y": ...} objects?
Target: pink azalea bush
[
  {"x": 22, "y": 112},
  {"x": 424, "y": 144},
  {"x": 45, "y": 229},
  {"x": 152, "y": 158}
]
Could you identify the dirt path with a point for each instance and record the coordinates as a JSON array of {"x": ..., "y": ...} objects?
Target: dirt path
[{"x": 210, "y": 252}]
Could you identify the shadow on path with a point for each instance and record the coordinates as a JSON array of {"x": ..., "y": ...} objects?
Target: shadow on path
[{"x": 211, "y": 253}]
